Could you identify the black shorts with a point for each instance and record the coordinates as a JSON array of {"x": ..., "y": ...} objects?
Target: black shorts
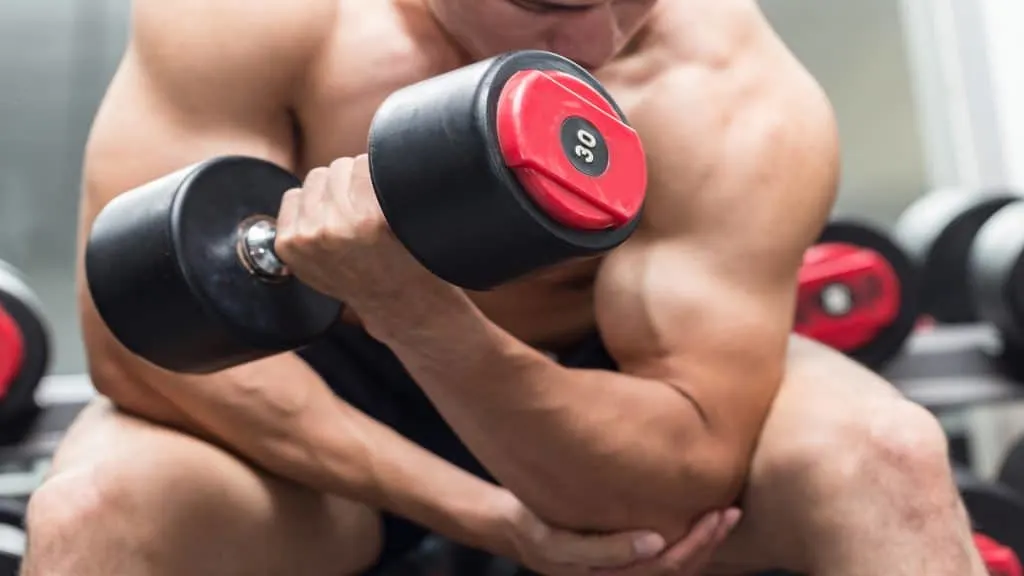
[{"x": 367, "y": 375}]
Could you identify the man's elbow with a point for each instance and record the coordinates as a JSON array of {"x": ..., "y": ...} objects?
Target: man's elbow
[
  {"x": 703, "y": 458},
  {"x": 707, "y": 463},
  {"x": 711, "y": 457},
  {"x": 123, "y": 386},
  {"x": 717, "y": 473},
  {"x": 703, "y": 467},
  {"x": 702, "y": 477},
  {"x": 120, "y": 377}
]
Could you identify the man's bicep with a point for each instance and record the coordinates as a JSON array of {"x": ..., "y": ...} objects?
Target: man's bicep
[
  {"x": 140, "y": 134},
  {"x": 201, "y": 79},
  {"x": 742, "y": 176},
  {"x": 678, "y": 312}
]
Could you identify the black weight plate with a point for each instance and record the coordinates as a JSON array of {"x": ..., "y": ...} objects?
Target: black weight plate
[
  {"x": 12, "y": 512},
  {"x": 995, "y": 510},
  {"x": 21, "y": 303},
  {"x": 936, "y": 233},
  {"x": 166, "y": 276},
  {"x": 1012, "y": 472},
  {"x": 10, "y": 564},
  {"x": 270, "y": 315},
  {"x": 996, "y": 271},
  {"x": 888, "y": 343},
  {"x": 12, "y": 535}
]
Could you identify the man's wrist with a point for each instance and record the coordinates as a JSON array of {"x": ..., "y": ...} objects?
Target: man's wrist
[
  {"x": 499, "y": 523},
  {"x": 422, "y": 315}
]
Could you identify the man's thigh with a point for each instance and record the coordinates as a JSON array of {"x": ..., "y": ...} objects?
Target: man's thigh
[{"x": 156, "y": 501}]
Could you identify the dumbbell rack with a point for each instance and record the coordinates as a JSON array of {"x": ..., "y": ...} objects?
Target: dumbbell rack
[
  {"x": 953, "y": 367},
  {"x": 24, "y": 463}
]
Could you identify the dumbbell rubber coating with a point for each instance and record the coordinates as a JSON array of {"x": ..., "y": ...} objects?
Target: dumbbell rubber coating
[
  {"x": 24, "y": 346},
  {"x": 996, "y": 272},
  {"x": 1011, "y": 473},
  {"x": 501, "y": 158},
  {"x": 485, "y": 173},
  {"x": 167, "y": 275},
  {"x": 995, "y": 509},
  {"x": 12, "y": 535},
  {"x": 936, "y": 232}
]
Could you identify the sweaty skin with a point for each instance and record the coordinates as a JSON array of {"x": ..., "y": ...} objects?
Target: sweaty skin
[{"x": 696, "y": 307}]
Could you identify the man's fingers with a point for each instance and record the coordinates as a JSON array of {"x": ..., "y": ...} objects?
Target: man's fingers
[
  {"x": 604, "y": 551},
  {"x": 702, "y": 536},
  {"x": 338, "y": 181},
  {"x": 287, "y": 218},
  {"x": 693, "y": 564},
  {"x": 729, "y": 521}
]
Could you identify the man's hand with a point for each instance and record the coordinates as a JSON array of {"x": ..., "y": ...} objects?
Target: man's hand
[
  {"x": 554, "y": 552},
  {"x": 332, "y": 234},
  {"x": 691, "y": 555}
]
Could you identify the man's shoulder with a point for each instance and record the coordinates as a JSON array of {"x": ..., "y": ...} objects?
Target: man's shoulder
[
  {"x": 230, "y": 36},
  {"x": 223, "y": 18},
  {"x": 701, "y": 33}
]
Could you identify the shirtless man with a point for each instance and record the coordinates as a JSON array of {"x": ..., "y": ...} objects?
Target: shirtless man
[{"x": 283, "y": 466}]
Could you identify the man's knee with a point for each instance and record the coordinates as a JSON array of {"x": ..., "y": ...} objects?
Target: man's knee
[
  {"x": 76, "y": 517},
  {"x": 893, "y": 447},
  {"x": 170, "y": 504}
]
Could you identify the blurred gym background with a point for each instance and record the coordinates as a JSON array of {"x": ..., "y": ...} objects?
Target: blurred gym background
[{"x": 924, "y": 92}]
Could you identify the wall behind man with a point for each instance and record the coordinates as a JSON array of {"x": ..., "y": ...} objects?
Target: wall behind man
[
  {"x": 857, "y": 51},
  {"x": 56, "y": 58}
]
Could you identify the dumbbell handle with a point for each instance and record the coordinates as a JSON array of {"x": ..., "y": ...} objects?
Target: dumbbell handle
[{"x": 256, "y": 248}]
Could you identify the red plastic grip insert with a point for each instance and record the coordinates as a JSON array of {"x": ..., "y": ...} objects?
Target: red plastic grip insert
[
  {"x": 847, "y": 295},
  {"x": 12, "y": 351},
  {"x": 533, "y": 109}
]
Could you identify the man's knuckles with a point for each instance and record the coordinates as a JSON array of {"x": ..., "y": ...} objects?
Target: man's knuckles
[{"x": 316, "y": 178}]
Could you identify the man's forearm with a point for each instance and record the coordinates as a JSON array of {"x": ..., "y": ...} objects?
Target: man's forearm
[
  {"x": 585, "y": 449},
  {"x": 416, "y": 484},
  {"x": 272, "y": 415}
]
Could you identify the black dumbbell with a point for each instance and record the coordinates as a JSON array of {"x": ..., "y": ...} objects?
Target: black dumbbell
[
  {"x": 12, "y": 535},
  {"x": 24, "y": 350},
  {"x": 936, "y": 232},
  {"x": 484, "y": 174},
  {"x": 857, "y": 293},
  {"x": 995, "y": 510},
  {"x": 1012, "y": 472},
  {"x": 996, "y": 273}
]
